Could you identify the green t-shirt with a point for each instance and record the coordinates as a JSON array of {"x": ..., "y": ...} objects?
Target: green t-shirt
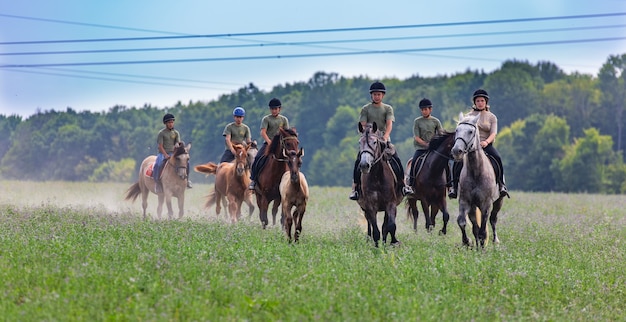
[
  {"x": 238, "y": 133},
  {"x": 371, "y": 113},
  {"x": 425, "y": 129},
  {"x": 168, "y": 138},
  {"x": 272, "y": 124}
]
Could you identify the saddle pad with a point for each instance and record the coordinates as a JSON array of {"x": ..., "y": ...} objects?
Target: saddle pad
[{"x": 149, "y": 169}]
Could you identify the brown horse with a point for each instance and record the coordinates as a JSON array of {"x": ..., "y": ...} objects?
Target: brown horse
[
  {"x": 430, "y": 182},
  {"x": 231, "y": 183},
  {"x": 268, "y": 181},
  {"x": 478, "y": 190},
  {"x": 380, "y": 189},
  {"x": 173, "y": 178},
  {"x": 294, "y": 192}
]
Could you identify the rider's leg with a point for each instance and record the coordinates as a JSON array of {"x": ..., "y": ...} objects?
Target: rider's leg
[
  {"x": 456, "y": 173},
  {"x": 354, "y": 195},
  {"x": 491, "y": 150}
]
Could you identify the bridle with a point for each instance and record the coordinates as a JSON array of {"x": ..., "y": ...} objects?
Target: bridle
[
  {"x": 375, "y": 152},
  {"x": 284, "y": 150},
  {"x": 177, "y": 166},
  {"x": 469, "y": 146}
]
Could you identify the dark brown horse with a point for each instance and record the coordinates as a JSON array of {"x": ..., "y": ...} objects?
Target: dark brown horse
[
  {"x": 294, "y": 192},
  {"x": 231, "y": 183},
  {"x": 430, "y": 182},
  {"x": 479, "y": 195},
  {"x": 283, "y": 144},
  {"x": 380, "y": 189},
  {"x": 173, "y": 178}
]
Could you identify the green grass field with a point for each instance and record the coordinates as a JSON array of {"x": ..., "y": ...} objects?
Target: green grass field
[{"x": 78, "y": 251}]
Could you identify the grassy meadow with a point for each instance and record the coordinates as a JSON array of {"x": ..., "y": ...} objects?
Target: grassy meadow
[{"x": 78, "y": 251}]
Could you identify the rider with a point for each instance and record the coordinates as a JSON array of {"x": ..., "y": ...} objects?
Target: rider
[
  {"x": 382, "y": 114},
  {"x": 425, "y": 127},
  {"x": 487, "y": 129},
  {"x": 167, "y": 138},
  {"x": 269, "y": 128},
  {"x": 235, "y": 133}
]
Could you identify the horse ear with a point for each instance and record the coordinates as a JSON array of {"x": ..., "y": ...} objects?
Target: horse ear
[
  {"x": 461, "y": 116},
  {"x": 360, "y": 127},
  {"x": 188, "y": 147},
  {"x": 374, "y": 127},
  {"x": 301, "y": 152}
]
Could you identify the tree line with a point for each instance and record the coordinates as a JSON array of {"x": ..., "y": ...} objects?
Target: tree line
[{"x": 557, "y": 131}]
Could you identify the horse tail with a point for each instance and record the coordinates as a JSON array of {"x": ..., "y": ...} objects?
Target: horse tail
[
  {"x": 133, "y": 192},
  {"x": 210, "y": 199},
  {"x": 208, "y": 168}
]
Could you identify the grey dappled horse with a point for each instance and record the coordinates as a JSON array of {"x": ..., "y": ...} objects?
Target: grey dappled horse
[{"x": 478, "y": 189}]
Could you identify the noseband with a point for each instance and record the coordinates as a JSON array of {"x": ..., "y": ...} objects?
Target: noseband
[{"x": 177, "y": 167}]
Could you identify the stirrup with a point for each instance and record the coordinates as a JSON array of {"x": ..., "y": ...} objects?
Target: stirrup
[
  {"x": 252, "y": 185},
  {"x": 452, "y": 193},
  {"x": 407, "y": 190},
  {"x": 354, "y": 195}
]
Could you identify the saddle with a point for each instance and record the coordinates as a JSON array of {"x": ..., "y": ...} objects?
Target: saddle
[{"x": 496, "y": 166}]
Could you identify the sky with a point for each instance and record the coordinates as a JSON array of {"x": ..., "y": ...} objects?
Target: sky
[{"x": 93, "y": 55}]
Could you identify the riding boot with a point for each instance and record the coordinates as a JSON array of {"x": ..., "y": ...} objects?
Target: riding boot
[
  {"x": 503, "y": 190},
  {"x": 408, "y": 188},
  {"x": 189, "y": 185},
  {"x": 354, "y": 195},
  {"x": 252, "y": 185},
  {"x": 456, "y": 173},
  {"x": 452, "y": 193}
]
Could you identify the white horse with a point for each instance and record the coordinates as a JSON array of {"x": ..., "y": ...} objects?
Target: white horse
[{"x": 478, "y": 190}]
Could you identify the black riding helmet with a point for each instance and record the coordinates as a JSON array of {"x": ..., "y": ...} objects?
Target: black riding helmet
[
  {"x": 274, "y": 102},
  {"x": 424, "y": 103},
  {"x": 168, "y": 117},
  {"x": 480, "y": 93},
  {"x": 377, "y": 87}
]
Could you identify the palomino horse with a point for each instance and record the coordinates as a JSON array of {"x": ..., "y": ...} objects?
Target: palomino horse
[
  {"x": 430, "y": 182},
  {"x": 294, "y": 192},
  {"x": 380, "y": 191},
  {"x": 478, "y": 189},
  {"x": 173, "y": 179},
  {"x": 283, "y": 144},
  {"x": 231, "y": 183}
]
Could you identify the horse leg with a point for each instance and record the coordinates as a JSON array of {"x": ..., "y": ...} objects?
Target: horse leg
[
  {"x": 168, "y": 203},
  {"x": 275, "y": 205},
  {"x": 299, "y": 214},
  {"x": 181, "y": 206},
  {"x": 446, "y": 218},
  {"x": 288, "y": 220},
  {"x": 144, "y": 200},
  {"x": 428, "y": 218},
  {"x": 160, "y": 205},
  {"x": 372, "y": 229},
  {"x": 462, "y": 221},
  {"x": 413, "y": 212},
  {"x": 218, "y": 203},
  {"x": 389, "y": 225},
  {"x": 263, "y": 204},
  {"x": 493, "y": 218},
  {"x": 232, "y": 209}
]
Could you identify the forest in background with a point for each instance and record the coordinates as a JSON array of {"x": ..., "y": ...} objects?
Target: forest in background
[{"x": 557, "y": 131}]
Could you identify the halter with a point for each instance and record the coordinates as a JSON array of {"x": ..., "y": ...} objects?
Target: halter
[{"x": 468, "y": 145}]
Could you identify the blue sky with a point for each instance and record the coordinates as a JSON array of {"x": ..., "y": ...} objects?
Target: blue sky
[{"x": 222, "y": 64}]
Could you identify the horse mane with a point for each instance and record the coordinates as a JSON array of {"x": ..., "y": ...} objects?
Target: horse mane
[
  {"x": 179, "y": 149},
  {"x": 436, "y": 141},
  {"x": 273, "y": 148}
]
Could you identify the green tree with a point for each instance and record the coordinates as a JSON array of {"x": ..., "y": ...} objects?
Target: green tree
[{"x": 612, "y": 82}]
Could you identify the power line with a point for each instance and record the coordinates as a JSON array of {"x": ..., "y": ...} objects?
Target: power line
[
  {"x": 310, "y": 31},
  {"x": 311, "y": 43},
  {"x": 366, "y": 52}
]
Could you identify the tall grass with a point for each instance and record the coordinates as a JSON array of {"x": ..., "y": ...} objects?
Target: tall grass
[{"x": 75, "y": 251}]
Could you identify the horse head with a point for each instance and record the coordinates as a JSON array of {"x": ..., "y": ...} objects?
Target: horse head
[
  {"x": 252, "y": 152},
  {"x": 241, "y": 158},
  {"x": 370, "y": 147},
  {"x": 294, "y": 163},
  {"x": 466, "y": 136},
  {"x": 181, "y": 159}
]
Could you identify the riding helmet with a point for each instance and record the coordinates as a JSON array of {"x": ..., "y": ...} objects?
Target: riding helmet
[
  {"x": 168, "y": 117},
  {"x": 377, "y": 87},
  {"x": 480, "y": 93},
  {"x": 274, "y": 102},
  {"x": 239, "y": 111},
  {"x": 424, "y": 103}
]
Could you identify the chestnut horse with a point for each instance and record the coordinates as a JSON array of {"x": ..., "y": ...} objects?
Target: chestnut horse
[
  {"x": 231, "y": 183},
  {"x": 380, "y": 189},
  {"x": 478, "y": 190},
  {"x": 294, "y": 192},
  {"x": 283, "y": 144},
  {"x": 173, "y": 179},
  {"x": 430, "y": 182}
]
